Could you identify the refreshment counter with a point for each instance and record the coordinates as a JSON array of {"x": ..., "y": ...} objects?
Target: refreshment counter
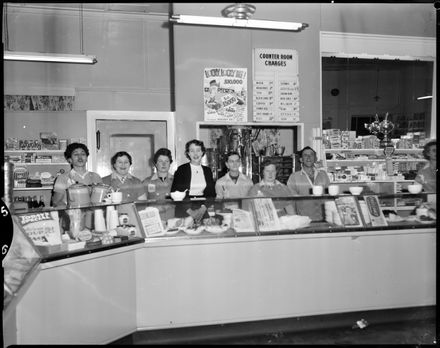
[{"x": 224, "y": 261}]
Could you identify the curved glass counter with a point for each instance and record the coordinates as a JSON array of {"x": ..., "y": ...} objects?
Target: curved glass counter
[{"x": 49, "y": 234}]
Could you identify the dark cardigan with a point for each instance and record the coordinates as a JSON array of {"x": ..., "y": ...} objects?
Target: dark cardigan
[{"x": 182, "y": 180}]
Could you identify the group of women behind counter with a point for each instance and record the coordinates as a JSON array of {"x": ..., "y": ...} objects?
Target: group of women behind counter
[{"x": 197, "y": 180}]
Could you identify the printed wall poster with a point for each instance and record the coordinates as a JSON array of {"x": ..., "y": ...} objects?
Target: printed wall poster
[
  {"x": 225, "y": 94},
  {"x": 275, "y": 85}
]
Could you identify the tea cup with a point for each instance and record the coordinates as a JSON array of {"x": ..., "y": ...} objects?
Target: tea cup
[
  {"x": 116, "y": 197},
  {"x": 333, "y": 190},
  {"x": 317, "y": 190}
]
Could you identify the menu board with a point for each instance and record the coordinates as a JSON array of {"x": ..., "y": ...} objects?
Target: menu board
[
  {"x": 225, "y": 94},
  {"x": 275, "y": 85}
]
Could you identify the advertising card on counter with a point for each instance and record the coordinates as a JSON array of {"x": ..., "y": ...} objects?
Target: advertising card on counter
[
  {"x": 266, "y": 215},
  {"x": 43, "y": 228},
  {"x": 225, "y": 94},
  {"x": 275, "y": 85},
  {"x": 376, "y": 215},
  {"x": 151, "y": 221},
  {"x": 349, "y": 211}
]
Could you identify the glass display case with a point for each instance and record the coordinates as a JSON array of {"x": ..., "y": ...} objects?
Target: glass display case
[
  {"x": 71, "y": 231},
  {"x": 212, "y": 218},
  {"x": 18, "y": 264},
  {"x": 49, "y": 234}
]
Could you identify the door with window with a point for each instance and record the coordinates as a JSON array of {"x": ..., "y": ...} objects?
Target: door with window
[{"x": 138, "y": 133}]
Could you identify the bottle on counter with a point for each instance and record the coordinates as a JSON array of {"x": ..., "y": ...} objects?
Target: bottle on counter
[
  {"x": 41, "y": 203},
  {"x": 34, "y": 202}
]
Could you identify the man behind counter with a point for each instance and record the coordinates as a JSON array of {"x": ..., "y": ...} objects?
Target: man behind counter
[
  {"x": 233, "y": 184},
  {"x": 302, "y": 181}
]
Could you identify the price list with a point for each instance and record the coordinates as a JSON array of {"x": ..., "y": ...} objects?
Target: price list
[
  {"x": 275, "y": 86},
  {"x": 264, "y": 101}
]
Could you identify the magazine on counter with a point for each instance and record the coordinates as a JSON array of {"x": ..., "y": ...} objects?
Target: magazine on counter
[
  {"x": 376, "y": 214},
  {"x": 242, "y": 220},
  {"x": 266, "y": 215},
  {"x": 349, "y": 211}
]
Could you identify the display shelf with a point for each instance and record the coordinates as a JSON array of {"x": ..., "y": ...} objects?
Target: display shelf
[
  {"x": 33, "y": 151},
  {"x": 33, "y": 188},
  {"x": 19, "y": 164},
  {"x": 375, "y": 160},
  {"x": 375, "y": 151}
]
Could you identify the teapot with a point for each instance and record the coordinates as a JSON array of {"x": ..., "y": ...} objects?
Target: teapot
[
  {"x": 78, "y": 195},
  {"x": 99, "y": 193}
]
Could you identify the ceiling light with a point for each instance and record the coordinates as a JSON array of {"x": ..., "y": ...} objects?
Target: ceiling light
[
  {"x": 239, "y": 11},
  {"x": 425, "y": 97},
  {"x": 234, "y": 22},
  {"x": 9, "y": 54},
  {"x": 49, "y": 57},
  {"x": 238, "y": 15}
]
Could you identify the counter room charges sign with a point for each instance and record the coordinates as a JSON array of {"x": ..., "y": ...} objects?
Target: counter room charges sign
[
  {"x": 275, "y": 85},
  {"x": 225, "y": 94}
]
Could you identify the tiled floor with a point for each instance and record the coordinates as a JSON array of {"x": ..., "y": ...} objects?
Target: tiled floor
[{"x": 403, "y": 326}]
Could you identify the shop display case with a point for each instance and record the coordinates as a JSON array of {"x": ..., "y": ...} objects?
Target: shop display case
[
  {"x": 65, "y": 232},
  {"x": 230, "y": 248},
  {"x": 57, "y": 233},
  {"x": 18, "y": 265},
  {"x": 376, "y": 172},
  {"x": 278, "y": 215}
]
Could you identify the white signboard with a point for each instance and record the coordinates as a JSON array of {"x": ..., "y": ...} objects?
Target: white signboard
[
  {"x": 275, "y": 85},
  {"x": 225, "y": 94}
]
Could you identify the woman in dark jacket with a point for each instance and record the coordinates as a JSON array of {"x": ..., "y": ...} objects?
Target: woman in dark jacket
[{"x": 193, "y": 176}]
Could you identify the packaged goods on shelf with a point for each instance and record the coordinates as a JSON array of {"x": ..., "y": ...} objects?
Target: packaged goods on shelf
[
  {"x": 63, "y": 144},
  {"x": 28, "y": 157},
  {"x": 15, "y": 158},
  {"x": 43, "y": 159},
  {"x": 12, "y": 144},
  {"x": 49, "y": 141},
  {"x": 58, "y": 159},
  {"x": 20, "y": 176}
]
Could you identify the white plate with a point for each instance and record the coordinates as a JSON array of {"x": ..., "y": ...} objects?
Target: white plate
[
  {"x": 425, "y": 221},
  {"x": 172, "y": 232},
  {"x": 216, "y": 229},
  {"x": 192, "y": 231}
]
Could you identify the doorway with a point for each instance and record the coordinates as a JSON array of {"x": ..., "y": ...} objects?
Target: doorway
[{"x": 140, "y": 134}]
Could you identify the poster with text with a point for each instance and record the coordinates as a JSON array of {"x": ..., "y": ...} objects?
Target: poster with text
[
  {"x": 225, "y": 94},
  {"x": 275, "y": 85}
]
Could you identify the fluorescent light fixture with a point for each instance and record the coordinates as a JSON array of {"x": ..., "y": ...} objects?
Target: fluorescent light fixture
[
  {"x": 49, "y": 57},
  {"x": 241, "y": 23},
  {"x": 425, "y": 97}
]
